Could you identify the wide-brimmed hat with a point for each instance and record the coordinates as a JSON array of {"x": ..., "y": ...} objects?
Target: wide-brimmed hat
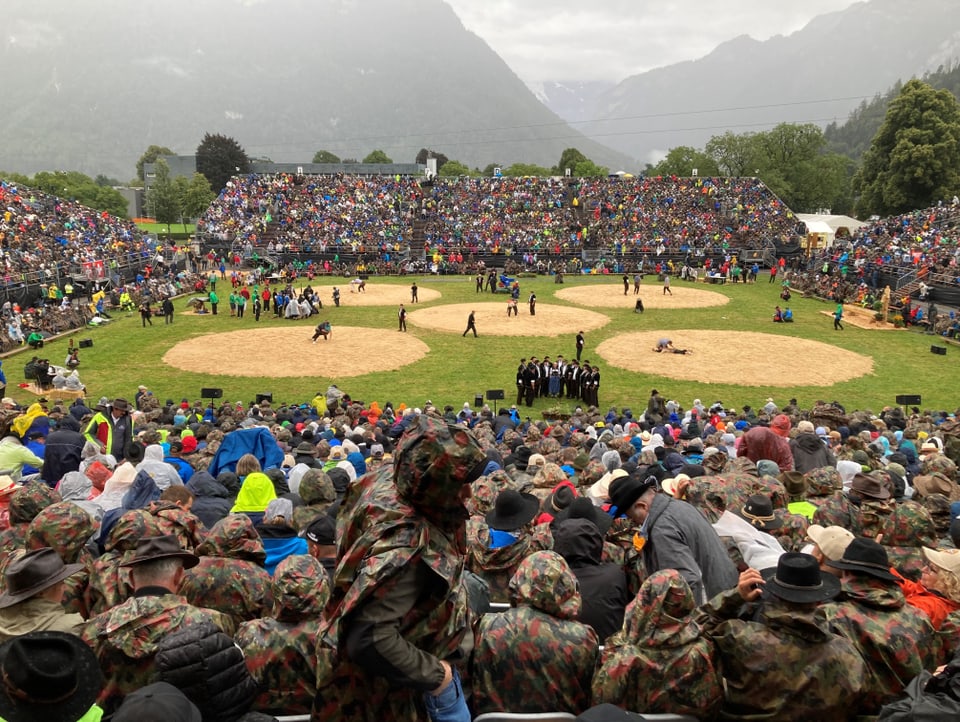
[
  {"x": 305, "y": 447},
  {"x": 152, "y": 548},
  {"x": 869, "y": 487},
  {"x": 338, "y": 453},
  {"x": 758, "y": 510},
  {"x": 624, "y": 492},
  {"x": 35, "y": 571},
  {"x": 671, "y": 486},
  {"x": 935, "y": 483},
  {"x": 559, "y": 499},
  {"x": 865, "y": 556},
  {"x": 797, "y": 578},
  {"x": 512, "y": 510},
  {"x": 49, "y": 676},
  {"x": 134, "y": 452},
  {"x": 832, "y": 540},
  {"x": 121, "y": 404},
  {"x": 794, "y": 482}
]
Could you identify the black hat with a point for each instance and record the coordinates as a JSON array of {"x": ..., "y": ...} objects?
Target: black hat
[
  {"x": 559, "y": 499},
  {"x": 305, "y": 447},
  {"x": 322, "y": 530},
  {"x": 521, "y": 455},
  {"x": 152, "y": 548},
  {"x": 626, "y": 490},
  {"x": 157, "y": 702},
  {"x": 512, "y": 510},
  {"x": 865, "y": 556},
  {"x": 134, "y": 452},
  {"x": 35, "y": 571},
  {"x": 607, "y": 712},
  {"x": 49, "y": 676},
  {"x": 583, "y": 508},
  {"x": 759, "y": 512},
  {"x": 797, "y": 578}
]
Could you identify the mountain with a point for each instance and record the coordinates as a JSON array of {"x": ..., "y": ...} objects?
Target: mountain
[
  {"x": 571, "y": 100},
  {"x": 817, "y": 74},
  {"x": 90, "y": 84}
]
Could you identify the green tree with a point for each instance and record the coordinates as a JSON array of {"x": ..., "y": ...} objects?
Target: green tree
[
  {"x": 220, "y": 157},
  {"x": 197, "y": 196},
  {"x": 325, "y": 156},
  {"x": 488, "y": 170},
  {"x": 681, "y": 161},
  {"x": 527, "y": 169},
  {"x": 163, "y": 196},
  {"x": 106, "y": 181},
  {"x": 588, "y": 169},
  {"x": 377, "y": 156},
  {"x": 422, "y": 156},
  {"x": 80, "y": 188},
  {"x": 570, "y": 158},
  {"x": 735, "y": 155},
  {"x": 150, "y": 155},
  {"x": 914, "y": 159},
  {"x": 453, "y": 169}
]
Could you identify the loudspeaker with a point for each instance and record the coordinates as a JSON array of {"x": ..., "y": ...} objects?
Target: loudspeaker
[
  {"x": 908, "y": 400},
  {"x": 478, "y": 400},
  {"x": 495, "y": 395},
  {"x": 264, "y": 397},
  {"x": 206, "y": 393},
  {"x": 86, "y": 343},
  {"x": 939, "y": 350}
]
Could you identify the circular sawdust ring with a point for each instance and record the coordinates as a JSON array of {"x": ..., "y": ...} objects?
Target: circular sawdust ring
[
  {"x": 350, "y": 351},
  {"x": 492, "y": 319},
  {"x": 376, "y": 294},
  {"x": 610, "y": 295},
  {"x": 743, "y": 358}
]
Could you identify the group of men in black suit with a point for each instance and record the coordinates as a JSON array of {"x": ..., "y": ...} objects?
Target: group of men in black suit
[{"x": 556, "y": 379}]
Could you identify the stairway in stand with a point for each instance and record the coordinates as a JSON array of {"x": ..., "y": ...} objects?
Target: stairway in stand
[{"x": 418, "y": 239}]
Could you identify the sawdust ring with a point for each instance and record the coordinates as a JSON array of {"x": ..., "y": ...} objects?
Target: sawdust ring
[
  {"x": 610, "y": 295},
  {"x": 492, "y": 319},
  {"x": 376, "y": 294},
  {"x": 350, "y": 351},
  {"x": 742, "y": 358}
]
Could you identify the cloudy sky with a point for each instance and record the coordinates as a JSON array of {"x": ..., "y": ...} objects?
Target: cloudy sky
[{"x": 612, "y": 39}]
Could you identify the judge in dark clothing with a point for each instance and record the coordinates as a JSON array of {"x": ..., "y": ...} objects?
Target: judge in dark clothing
[
  {"x": 603, "y": 586},
  {"x": 62, "y": 451}
]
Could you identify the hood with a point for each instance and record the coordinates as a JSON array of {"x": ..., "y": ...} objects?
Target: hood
[
  {"x": 339, "y": 478},
  {"x": 234, "y": 537},
  {"x": 823, "y": 481},
  {"x": 808, "y": 442},
  {"x": 301, "y": 589},
  {"x": 256, "y": 492},
  {"x": 75, "y": 486},
  {"x": 63, "y": 526},
  {"x": 153, "y": 452},
  {"x": 549, "y": 476},
  {"x": 545, "y": 581},
  {"x": 873, "y": 593},
  {"x": 659, "y": 616},
  {"x": 316, "y": 487},
  {"x": 68, "y": 423},
  {"x": 29, "y": 500},
  {"x": 128, "y": 530},
  {"x": 230, "y": 481},
  {"x": 356, "y": 460},
  {"x": 280, "y": 485},
  {"x": 579, "y": 541},
  {"x": 141, "y": 493},
  {"x": 203, "y": 484}
]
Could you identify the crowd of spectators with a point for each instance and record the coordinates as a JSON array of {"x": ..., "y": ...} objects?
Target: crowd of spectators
[
  {"x": 530, "y": 218},
  {"x": 44, "y": 238},
  {"x": 248, "y": 506}
]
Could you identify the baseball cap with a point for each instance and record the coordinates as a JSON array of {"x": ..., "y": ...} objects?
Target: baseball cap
[
  {"x": 832, "y": 540},
  {"x": 322, "y": 530}
]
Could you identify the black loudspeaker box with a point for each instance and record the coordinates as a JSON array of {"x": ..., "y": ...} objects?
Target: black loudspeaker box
[
  {"x": 86, "y": 343},
  {"x": 495, "y": 395},
  {"x": 939, "y": 350},
  {"x": 264, "y": 397},
  {"x": 206, "y": 393},
  {"x": 908, "y": 400}
]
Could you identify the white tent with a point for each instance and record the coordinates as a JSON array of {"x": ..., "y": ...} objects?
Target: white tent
[{"x": 826, "y": 226}]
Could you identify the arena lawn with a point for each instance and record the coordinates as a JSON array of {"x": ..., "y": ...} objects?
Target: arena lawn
[{"x": 125, "y": 355}]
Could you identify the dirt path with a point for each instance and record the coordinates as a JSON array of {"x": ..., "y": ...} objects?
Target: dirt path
[
  {"x": 350, "y": 351},
  {"x": 492, "y": 319},
  {"x": 741, "y": 358},
  {"x": 610, "y": 295}
]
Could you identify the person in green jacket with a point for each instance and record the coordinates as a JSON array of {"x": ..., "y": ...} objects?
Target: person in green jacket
[{"x": 214, "y": 300}]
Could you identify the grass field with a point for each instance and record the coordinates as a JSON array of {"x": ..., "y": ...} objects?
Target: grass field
[{"x": 456, "y": 369}]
